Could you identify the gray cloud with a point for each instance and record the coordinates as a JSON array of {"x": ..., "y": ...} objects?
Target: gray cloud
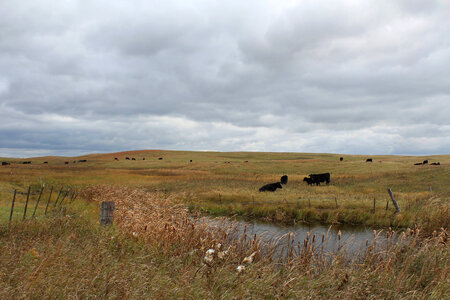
[{"x": 316, "y": 76}]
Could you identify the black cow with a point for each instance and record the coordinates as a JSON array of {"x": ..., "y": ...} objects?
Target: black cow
[
  {"x": 425, "y": 162},
  {"x": 369, "y": 160},
  {"x": 115, "y": 158},
  {"x": 26, "y": 162},
  {"x": 160, "y": 158},
  {"x": 436, "y": 164},
  {"x": 4, "y": 163},
  {"x": 246, "y": 161},
  {"x": 66, "y": 162},
  {"x": 341, "y": 159},
  {"x": 318, "y": 178},
  {"x": 82, "y": 160},
  {"x": 127, "y": 158},
  {"x": 308, "y": 180},
  {"x": 133, "y": 158},
  {"x": 190, "y": 160},
  {"x": 271, "y": 187},
  {"x": 45, "y": 162},
  {"x": 284, "y": 179},
  {"x": 143, "y": 158},
  {"x": 418, "y": 164}
]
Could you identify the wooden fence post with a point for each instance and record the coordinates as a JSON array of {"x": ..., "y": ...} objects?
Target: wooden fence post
[
  {"x": 26, "y": 203},
  {"x": 57, "y": 198},
  {"x": 107, "y": 212},
  {"x": 37, "y": 203},
  {"x": 48, "y": 202},
  {"x": 64, "y": 197},
  {"x": 374, "y": 205},
  {"x": 12, "y": 206},
  {"x": 335, "y": 200},
  {"x": 397, "y": 208}
]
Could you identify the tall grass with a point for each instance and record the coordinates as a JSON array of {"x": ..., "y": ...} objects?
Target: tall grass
[{"x": 156, "y": 249}]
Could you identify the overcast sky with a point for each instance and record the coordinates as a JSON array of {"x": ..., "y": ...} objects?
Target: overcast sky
[{"x": 355, "y": 77}]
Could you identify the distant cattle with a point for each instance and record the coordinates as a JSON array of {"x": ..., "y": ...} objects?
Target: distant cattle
[
  {"x": 4, "y": 163},
  {"x": 418, "y": 164},
  {"x": 425, "y": 162},
  {"x": 271, "y": 187},
  {"x": 318, "y": 178},
  {"x": 45, "y": 162},
  {"x": 82, "y": 160},
  {"x": 160, "y": 158},
  {"x": 66, "y": 162},
  {"x": 74, "y": 161},
  {"x": 246, "y": 161},
  {"x": 115, "y": 158},
  {"x": 284, "y": 179},
  {"x": 133, "y": 158},
  {"x": 26, "y": 162},
  {"x": 143, "y": 158},
  {"x": 308, "y": 180},
  {"x": 190, "y": 160},
  {"x": 341, "y": 159},
  {"x": 369, "y": 160},
  {"x": 436, "y": 164},
  {"x": 127, "y": 158}
]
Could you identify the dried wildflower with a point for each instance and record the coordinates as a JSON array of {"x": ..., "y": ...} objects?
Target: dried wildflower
[
  {"x": 135, "y": 234},
  {"x": 249, "y": 259},
  {"x": 209, "y": 256},
  {"x": 240, "y": 269}
]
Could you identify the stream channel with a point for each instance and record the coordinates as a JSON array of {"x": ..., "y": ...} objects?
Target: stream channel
[{"x": 354, "y": 239}]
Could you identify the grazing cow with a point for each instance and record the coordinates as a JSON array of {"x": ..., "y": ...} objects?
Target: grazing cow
[
  {"x": 246, "y": 161},
  {"x": 115, "y": 158},
  {"x": 66, "y": 162},
  {"x": 190, "y": 160},
  {"x": 45, "y": 162},
  {"x": 74, "y": 161},
  {"x": 82, "y": 160},
  {"x": 160, "y": 158},
  {"x": 4, "y": 163},
  {"x": 436, "y": 164},
  {"x": 133, "y": 158},
  {"x": 418, "y": 164},
  {"x": 271, "y": 187},
  {"x": 318, "y": 178},
  {"x": 143, "y": 158},
  {"x": 425, "y": 162},
  {"x": 369, "y": 160},
  {"x": 127, "y": 158},
  {"x": 26, "y": 162},
  {"x": 284, "y": 179},
  {"x": 309, "y": 181},
  {"x": 341, "y": 159}
]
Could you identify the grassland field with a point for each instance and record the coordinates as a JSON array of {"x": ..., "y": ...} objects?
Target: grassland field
[
  {"x": 220, "y": 183},
  {"x": 156, "y": 250}
]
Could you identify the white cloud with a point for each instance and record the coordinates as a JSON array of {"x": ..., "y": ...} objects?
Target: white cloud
[{"x": 314, "y": 76}]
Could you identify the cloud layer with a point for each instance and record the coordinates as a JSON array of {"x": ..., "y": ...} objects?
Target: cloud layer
[{"x": 367, "y": 77}]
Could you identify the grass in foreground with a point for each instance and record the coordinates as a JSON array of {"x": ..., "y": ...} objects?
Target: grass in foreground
[{"x": 156, "y": 250}]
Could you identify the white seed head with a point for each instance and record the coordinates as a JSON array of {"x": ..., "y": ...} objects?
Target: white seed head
[{"x": 240, "y": 269}]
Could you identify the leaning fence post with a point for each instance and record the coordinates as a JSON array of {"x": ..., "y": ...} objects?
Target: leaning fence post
[
  {"x": 374, "y": 204},
  {"x": 64, "y": 197},
  {"x": 397, "y": 208},
  {"x": 37, "y": 203},
  {"x": 26, "y": 203},
  {"x": 107, "y": 212},
  {"x": 335, "y": 200},
  {"x": 12, "y": 206},
  {"x": 57, "y": 198},
  {"x": 48, "y": 202}
]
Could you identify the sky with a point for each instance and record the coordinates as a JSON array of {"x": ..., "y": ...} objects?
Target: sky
[{"x": 325, "y": 76}]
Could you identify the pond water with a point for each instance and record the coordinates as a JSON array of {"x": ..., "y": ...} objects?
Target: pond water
[{"x": 353, "y": 239}]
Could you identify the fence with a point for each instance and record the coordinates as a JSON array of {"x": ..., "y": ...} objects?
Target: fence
[{"x": 65, "y": 197}]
